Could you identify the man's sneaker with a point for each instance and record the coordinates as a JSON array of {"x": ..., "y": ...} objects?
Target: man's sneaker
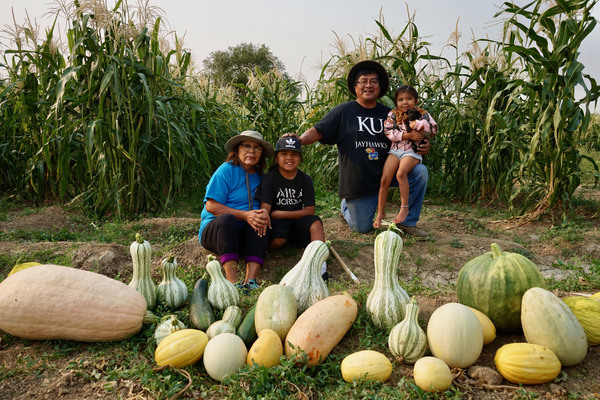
[
  {"x": 250, "y": 286},
  {"x": 414, "y": 231},
  {"x": 326, "y": 276}
]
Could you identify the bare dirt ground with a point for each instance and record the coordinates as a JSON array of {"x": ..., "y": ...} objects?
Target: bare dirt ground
[{"x": 457, "y": 237}]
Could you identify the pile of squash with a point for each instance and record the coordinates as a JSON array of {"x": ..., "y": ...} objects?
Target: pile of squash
[{"x": 299, "y": 319}]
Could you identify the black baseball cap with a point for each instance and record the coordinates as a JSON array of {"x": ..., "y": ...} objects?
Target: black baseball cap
[{"x": 288, "y": 143}]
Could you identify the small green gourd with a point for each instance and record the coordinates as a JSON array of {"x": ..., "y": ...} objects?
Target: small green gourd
[
  {"x": 407, "y": 340},
  {"x": 167, "y": 327},
  {"x": 141, "y": 255},
  {"x": 172, "y": 290},
  {"x": 387, "y": 299},
  {"x": 232, "y": 318},
  {"x": 305, "y": 277},
  {"x": 221, "y": 292}
]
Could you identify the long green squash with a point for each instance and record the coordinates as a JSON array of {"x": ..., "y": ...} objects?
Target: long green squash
[
  {"x": 387, "y": 299},
  {"x": 247, "y": 329},
  {"x": 201, "y": 312},
  {"x": 141, "y": 255}
]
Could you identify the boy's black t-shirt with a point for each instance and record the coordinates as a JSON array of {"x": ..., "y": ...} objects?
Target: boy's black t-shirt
[{"x": 286, "y": 194}]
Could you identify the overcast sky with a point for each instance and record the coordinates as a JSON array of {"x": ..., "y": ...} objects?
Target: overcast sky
[{"x": 302, "y": 33}]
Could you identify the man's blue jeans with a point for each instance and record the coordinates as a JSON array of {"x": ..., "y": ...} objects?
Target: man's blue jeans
[{"x": 359, "y": 212}]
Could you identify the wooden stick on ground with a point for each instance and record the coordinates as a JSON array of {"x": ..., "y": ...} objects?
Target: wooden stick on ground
[{"x": 337, "y": 257}]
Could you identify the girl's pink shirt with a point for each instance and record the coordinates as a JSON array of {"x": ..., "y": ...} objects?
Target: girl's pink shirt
[{"x": 394, "y": 132}]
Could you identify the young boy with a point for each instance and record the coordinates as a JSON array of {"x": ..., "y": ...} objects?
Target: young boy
[{"x": 288, "y": 195}]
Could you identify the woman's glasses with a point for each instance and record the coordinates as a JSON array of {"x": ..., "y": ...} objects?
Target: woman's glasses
[{"x": 247, "y": 147}]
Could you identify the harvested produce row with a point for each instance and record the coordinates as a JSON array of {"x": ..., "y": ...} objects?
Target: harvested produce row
[{"x": 299, "y": 319}]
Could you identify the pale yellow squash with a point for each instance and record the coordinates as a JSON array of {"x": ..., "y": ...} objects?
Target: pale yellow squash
[
  {"x": 182, "y": 348},
  {"x": 266, "y": 350},
  {"x": 526, "y": 363},
  {"x": 432, "y": 374},
  {"x": 488, "y": 327},
  {"x": 368, "y": 364}
]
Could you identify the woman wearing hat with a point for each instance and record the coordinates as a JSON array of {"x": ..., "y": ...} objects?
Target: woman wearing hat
[
  {"x": 232, "y": 223},
  {"x": 356, "y": 127}
]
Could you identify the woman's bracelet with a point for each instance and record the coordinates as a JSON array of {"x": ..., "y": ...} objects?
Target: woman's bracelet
[{"x": 403, "y": 206}]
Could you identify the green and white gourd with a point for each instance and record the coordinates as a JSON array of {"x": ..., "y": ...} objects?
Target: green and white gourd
[
  {"x": 172, "y": 290},
  {"x": 141, "y": 255},
  {"x": 221, "y": 292},
  {"x": 407, "y": 340},
  {"x": 305, "y": 277},
  {"x": 232, "y": 318},
  {"x": 165, "y": 328},
  {"x": 387, "y": 299}
]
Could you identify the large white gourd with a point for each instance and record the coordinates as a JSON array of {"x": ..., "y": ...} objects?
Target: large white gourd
[
  {"x": 141, "y": 256},
  {"x": 455, "y": 335},
  {"x": 305, "y": 278},
  {"x": 224, "y": 355},
  {"x": 549, "y": 322},
  {"x": 387, "y": 299}
]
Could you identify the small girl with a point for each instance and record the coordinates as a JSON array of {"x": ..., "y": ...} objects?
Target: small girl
[
  {"x": 402, "y": 158},
  {"x": 288, "y": 195}
]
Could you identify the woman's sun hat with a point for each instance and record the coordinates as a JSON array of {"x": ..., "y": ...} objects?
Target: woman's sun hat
[
  {"x": 250, "y": 136},
  {"x": 384, "y": 80}
]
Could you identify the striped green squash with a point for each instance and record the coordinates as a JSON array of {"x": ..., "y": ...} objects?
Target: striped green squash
[
  {"x": 172, "y": 290},
  {"x": 387, "y": 299},
  {"x": 232, "y": 318},
  {"x": 221, "y": 292},
  {"x": 165, "y": 328},
  {"x": 305, "y": 278},
  {"x": 141, "y": 256},
  {"x": 494, "y": 284},
  {"x": 407, "y": 340}
]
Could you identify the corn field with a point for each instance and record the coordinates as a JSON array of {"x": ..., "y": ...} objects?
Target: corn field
[{"x": 120, "y": 121}]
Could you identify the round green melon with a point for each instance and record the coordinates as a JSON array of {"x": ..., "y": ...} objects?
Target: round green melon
[{"x": 494, "y": 284}]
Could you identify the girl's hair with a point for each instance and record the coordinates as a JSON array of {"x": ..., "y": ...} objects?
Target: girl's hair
[
  {"x": 275, "y": 165},
  {"x": 235, "y": 160},
  {"x": 400, "y": 118}
]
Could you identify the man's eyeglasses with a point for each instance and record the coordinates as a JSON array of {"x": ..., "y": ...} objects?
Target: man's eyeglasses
[
  {"x": 365, "y": 82},
  {"x": 256, "y": 147}
]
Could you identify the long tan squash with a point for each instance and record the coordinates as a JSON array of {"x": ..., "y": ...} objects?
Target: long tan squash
[
  {"x": 321, "y": 327},
  {"x": 56, "y": 302}
]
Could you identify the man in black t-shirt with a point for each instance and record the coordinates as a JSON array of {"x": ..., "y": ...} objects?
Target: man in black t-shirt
[{"x": 356, "y": 127}]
